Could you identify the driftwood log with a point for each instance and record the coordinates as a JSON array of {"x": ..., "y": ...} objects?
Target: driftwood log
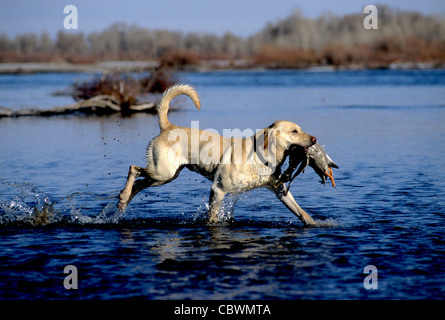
[{"x": 98, "y": 105}]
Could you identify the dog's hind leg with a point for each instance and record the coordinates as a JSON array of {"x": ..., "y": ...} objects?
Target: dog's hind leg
[
  {"x": 127, "y": 193},
  {"x": 133, "y": 186},
  {"x": 138, "y": 186}
]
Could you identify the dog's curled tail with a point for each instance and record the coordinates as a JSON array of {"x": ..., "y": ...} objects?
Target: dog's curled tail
[{"x": 168, "y": 95}]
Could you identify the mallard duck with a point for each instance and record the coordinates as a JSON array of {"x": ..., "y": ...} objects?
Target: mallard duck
[
  {"x": 320, "y": 161},
  {"x": 316, "y": 157}
]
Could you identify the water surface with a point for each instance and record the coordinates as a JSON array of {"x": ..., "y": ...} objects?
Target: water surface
[{"x": 384, "y": 129}]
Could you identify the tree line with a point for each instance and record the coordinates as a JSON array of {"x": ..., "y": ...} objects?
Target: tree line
[{"x": 295, "y": 41}]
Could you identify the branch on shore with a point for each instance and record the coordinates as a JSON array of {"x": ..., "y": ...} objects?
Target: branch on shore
[
  {"x": 107, "y": 94},
  {"x": 98, "y": 105}
]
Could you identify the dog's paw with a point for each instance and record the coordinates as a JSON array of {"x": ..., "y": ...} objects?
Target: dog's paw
[
  {"x": 121, "y": 206},
  {"x": 310, "y": 223},
  {"x": 213, "y": 221},
  {"x": 123, "y": 201}
]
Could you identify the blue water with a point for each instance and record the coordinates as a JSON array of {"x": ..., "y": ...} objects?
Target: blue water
[{"x": 384, "y": 128}]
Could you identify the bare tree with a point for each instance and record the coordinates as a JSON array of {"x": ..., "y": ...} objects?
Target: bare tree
[
  {"x": 67, "y": 43},
  {"x": 401, "y": 35}
]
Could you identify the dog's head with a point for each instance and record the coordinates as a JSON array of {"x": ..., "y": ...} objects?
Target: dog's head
[{"x": 288, "y": 134}]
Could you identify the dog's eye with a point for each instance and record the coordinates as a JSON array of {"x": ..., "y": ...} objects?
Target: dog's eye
[{"x": 295, "y": 131}]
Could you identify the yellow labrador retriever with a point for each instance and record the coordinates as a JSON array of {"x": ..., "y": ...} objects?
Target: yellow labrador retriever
[{"x": 233, "y": 164}]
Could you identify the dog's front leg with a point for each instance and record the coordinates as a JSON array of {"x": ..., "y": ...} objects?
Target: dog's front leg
[
  {"x": 216, "y": 198},
  {"x": 288, "y": 200}
]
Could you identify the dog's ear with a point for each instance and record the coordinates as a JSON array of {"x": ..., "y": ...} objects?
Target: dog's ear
[
  {"x": 270, "y": 133},
  {"x": 266, "y": 137}
]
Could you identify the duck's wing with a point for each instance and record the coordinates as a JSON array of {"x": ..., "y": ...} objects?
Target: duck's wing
[{"x": 331, "y": 163}]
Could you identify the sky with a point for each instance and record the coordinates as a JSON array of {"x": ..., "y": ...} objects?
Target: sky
[{"x": 240, "y": 17}]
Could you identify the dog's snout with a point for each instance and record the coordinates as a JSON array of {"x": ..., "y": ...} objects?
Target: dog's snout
[{"x": 313, "y": 140}]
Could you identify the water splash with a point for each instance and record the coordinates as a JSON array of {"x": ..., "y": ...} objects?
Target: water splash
[
  {"x": 25, "y": 204},
  {"x": 225, "y": 215},
  {"x": 28, "y": 205},
  {"x": 90, "y": 208},
  {"x": 327, "y": 223}
]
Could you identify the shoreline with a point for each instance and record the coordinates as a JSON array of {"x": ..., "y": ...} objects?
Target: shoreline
[
  {"x": 62, "y": 67},
  {"x": 212, "y": 65}
]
